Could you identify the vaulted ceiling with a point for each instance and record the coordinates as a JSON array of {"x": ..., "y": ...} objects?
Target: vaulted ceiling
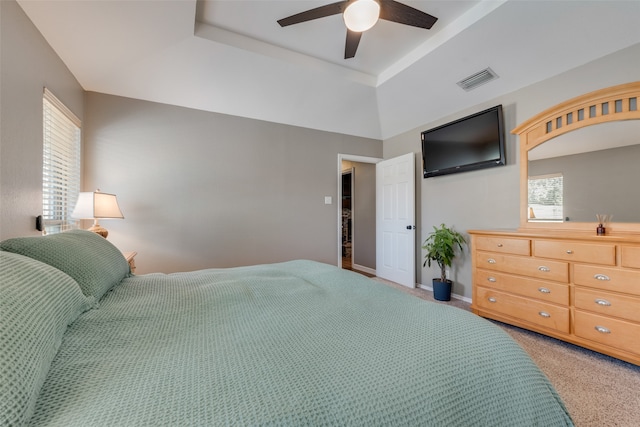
[{"x": 232, "y": 57}]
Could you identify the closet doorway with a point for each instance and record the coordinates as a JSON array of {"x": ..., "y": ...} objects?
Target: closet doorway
[
  {"x": 356, "y": 211},
  {"x": 347, "y": 218}
]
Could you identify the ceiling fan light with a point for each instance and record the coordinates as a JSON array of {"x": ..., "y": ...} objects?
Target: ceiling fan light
[{"x": 361, "y": 15}]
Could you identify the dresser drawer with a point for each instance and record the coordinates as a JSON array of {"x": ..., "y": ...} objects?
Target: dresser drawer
[
  {"x": 504, "y": 245},
  {"x": 575, "y": 251},
  {"x": 630, "y": 256},
  {"x": 608, "y": 304},
  {"x": 611, "y": 279},
  {"x": 557, "y": 293},
  {"x": 532, "y": 267},
  {"x": 539, "y": 313},
  {"x": 612, "y": 332}
]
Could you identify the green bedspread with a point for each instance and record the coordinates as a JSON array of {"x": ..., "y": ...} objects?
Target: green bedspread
[{"x": 297, "y": 343}]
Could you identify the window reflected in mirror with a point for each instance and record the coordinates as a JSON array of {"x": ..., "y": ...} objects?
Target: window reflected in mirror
[{"x": 545, "y": 198}]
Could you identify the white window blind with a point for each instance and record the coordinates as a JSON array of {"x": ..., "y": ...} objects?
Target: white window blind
[{"x": 61, "y": 165}]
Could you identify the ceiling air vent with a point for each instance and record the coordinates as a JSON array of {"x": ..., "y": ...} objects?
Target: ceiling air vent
[{"x": 477, "y": 79}]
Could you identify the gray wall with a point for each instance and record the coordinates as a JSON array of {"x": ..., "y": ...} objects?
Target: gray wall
[
  {"x": 598, "y": 182},
  {"x": 27, "y": 65},
  {"x": 364, "y": 230},
  {"x": 489, "y": 199},
  {"x": 201, "y": 189}
]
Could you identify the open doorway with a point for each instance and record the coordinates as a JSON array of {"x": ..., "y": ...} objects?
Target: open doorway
[
  {"x": 357, "y": 213},
  {"x": 347, "y": 218}
]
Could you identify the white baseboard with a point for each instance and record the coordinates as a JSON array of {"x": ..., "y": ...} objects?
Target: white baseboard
[
  {"x": 364, "y": 269},
  {"x": 456, "y": 296}
]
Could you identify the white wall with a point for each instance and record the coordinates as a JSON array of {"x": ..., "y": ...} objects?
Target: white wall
[
  {"x": 489, "y": 199},
  {"x": 27, "y": 65},
  {"x": 201, "y": 189}
]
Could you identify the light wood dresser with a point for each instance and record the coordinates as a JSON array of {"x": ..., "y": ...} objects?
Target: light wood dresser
[{"x": 574, "y": 286}]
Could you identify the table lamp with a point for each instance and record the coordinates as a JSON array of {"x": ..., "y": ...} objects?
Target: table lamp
[{"x": 97, "y": 205}]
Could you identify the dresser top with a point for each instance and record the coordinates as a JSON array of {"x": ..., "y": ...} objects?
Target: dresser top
[{"x": 559, "y": 234}]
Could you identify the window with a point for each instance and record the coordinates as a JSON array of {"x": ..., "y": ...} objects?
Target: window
[
  {"x": 61, "y": 165},
  {"x": 545, "y": 198}
]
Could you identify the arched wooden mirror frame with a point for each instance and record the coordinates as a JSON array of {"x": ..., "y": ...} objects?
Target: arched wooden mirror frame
[{"x": 605, "y": 105}]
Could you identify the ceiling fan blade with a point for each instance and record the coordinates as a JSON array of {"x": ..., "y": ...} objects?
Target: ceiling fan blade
[
  {"x": 353, "y": 40},
  {"x": 311, "y": 14},
  {"x": 391, "y": 10}
]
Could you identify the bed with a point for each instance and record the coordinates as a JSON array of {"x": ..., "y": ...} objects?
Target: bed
[{"x": 301, "y": 343}]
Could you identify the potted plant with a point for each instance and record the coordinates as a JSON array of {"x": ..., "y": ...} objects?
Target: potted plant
[{"x": 441, "y": 246}]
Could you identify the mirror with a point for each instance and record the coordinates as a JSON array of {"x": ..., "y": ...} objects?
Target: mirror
[
  {"x": 579, "y": 159},
  {"x": 589, "y": 171}
]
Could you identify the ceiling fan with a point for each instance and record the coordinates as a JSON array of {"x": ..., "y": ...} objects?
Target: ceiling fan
[{"x": 361, "y": 15}]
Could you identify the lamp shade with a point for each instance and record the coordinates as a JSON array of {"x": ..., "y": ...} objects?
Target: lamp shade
[
  {"x": 95, "y": 204},
  {"x": 361, "y": 15}
]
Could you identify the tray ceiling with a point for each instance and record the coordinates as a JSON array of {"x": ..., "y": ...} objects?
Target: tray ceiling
[{"x": 232, "y": 57}]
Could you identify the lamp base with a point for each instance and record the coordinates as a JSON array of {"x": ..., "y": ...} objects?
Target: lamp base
[{"x": 98, "y": 229}]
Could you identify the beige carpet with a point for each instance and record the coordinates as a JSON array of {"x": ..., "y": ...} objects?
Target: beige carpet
[{"x": 598, "y": 390}]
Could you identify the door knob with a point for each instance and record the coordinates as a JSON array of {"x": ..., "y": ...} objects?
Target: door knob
[{"x": 411, "y": 227}]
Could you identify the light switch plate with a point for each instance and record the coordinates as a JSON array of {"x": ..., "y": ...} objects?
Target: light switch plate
[{"x": 328, "y": 200}]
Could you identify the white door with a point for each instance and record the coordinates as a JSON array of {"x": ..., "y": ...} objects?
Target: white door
[{"x": 395, "y": 220}]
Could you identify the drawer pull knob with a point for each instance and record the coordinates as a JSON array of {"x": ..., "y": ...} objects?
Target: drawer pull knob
[
  {"x": 491, "y": 261},
  {"x": 492, "y": 299},
  {"x": 602, "y": 330},
  {"x": 543, "y": 268},
  {"x": 491, "y": 279},
  {"x": 603, "y": 277},
  {"x": 603, "y": 302},
  {"x": 569, "y": 251},
  {"x": 544, "y": 290},
  {"x": 544, "y": 314},
  {"x": 499, "y": 245}
]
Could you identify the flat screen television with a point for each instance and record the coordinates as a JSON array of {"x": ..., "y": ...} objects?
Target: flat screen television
[{"x": 471, "y": 143}]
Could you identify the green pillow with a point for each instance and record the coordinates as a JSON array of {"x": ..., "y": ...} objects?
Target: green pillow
[
  {"x": 88, "y": 258},
  {"x": 37, "y": 303}
]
